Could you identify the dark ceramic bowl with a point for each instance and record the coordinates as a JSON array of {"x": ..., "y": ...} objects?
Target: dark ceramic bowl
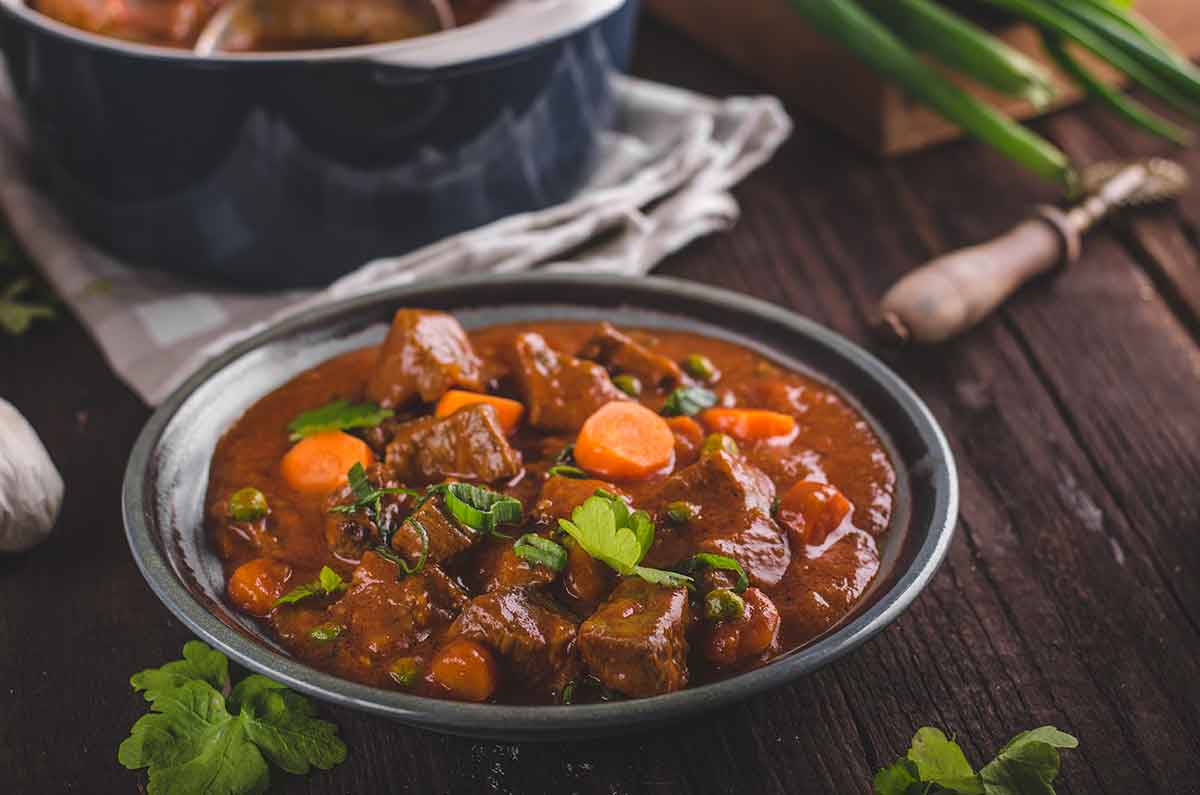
[
  {"x": 166, "y": 481},
  {"x": 283, "y": 169}
]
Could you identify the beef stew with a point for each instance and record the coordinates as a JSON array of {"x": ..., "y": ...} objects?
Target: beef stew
[{"x": 470, "y": 539}]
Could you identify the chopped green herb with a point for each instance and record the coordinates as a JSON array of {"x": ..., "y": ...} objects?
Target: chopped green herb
[
  {"x": 326, "y": 632},
  {"x": 340, "y": 415},
  {"x": 541, "y": 551},
  {"x": 629, "y": 384},
  {"x": 404, "y": 671},
  {"x": 722, "y": 604},
  {"x": 367, "y": 498},
  {"x": 17, "y": 315},
  {"x": 566, "y": 471},
  {"x": 708, "y": 560},
  {"x": 700, "y": 367},
  {"x": 687, "y": 401},
  {"x": 609, "y": 532},
  {"x": 682, "y": 512},
  {"x": 195, "y": 740},
  {"x": 479, "y": 509},
  {"x": 1027, "y": 765},
  {"x": 328, "y": 583},
  {"x": 248, "y": 505},
  {"x": 568, "y": 694}
]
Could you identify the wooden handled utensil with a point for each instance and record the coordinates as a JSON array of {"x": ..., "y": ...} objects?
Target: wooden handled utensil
[{"x": 945, "y": 297}]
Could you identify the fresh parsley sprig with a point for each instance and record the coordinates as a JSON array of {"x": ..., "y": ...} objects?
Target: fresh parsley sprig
[
  {"x": 202, "y": 737},
  {"x": 340, "y": 415},
  {"x": 328, "y": 583},
  {"x": 609, "y": 532},
  {"x": 687, "y": 401},
  {"x": 16, "y": 313},
  {"x": 1027, "y": 765}
]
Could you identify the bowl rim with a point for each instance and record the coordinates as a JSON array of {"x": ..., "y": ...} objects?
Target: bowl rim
[
  {"x": 554, "y": 721},
  {"x": 493, "y": 37}
]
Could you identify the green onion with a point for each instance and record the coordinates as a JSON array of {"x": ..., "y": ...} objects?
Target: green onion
[
  {"x": 722, "y": 604},
  {"x": 404, "y": 671},
  {"x": 1118, "y": 102},
  {"x": 629, "y": 384},
  {"x": 248, "y": 505},
  {"x": 541, "y": 551},
  {"x": 568, "y": 694},
  {"x": 846, "y": 22},
  {"x": 480, "y": 509},
  {"x": 709, "y": 560},
  {"x": 326, "y": 632},
  {"x": 688, "y": 401},
  {"x": 965, "y": 47},
  {"x": 700, "y": 367},
  {"x": 566, "y": 471}
]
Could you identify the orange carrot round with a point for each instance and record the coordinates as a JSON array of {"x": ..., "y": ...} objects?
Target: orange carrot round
[
  {"x": 319, "y": 463},
  {"x": 625, "y": 441},
  {"x": 749, "y": 424},
  {"x": 509, "y": 412},
  {"x": 255, "y": 586},
  {"x": 466, "y": 669}
]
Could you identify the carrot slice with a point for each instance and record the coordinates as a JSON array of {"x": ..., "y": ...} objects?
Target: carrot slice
[
  {"x": 749, "y": 424},
  {"x": 625, "y": 441},
  {"x": 509, "y": 412},
  {"x": 466, "y": 669},
  {"x": 318, "y": 464},
  {"x": 811, "y": 511},
  {"x": 255, "y": 586}
]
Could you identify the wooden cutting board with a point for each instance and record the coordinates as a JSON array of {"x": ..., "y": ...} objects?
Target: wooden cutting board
[{"x": 769, "y": 40}]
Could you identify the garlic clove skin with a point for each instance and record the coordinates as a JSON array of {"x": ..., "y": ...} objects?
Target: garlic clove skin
[{"x": 31, "y": 489}]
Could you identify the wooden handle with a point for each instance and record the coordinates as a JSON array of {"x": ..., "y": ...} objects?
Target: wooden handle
[{"x": 952, "y": 293}]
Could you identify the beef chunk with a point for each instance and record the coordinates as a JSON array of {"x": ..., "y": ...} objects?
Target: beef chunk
[
  {"x": 425, "y": 354},
  {"x": 734, "y": 517},
  {"x": 446, "y": 536},
  {"x": 468, "y": 445},
  {"x": 493, "y": 565},
  {"x": 619, "y": 352},
  {"x": 383, "y": 615},
  {"x": 819, "y": 591},
  {"x": 560, "y": 496},
  {"x": 755, "y": 633},
  {"x": 636, "y": 643},
  {"x": 535, "y": 637},
  {"x": 560, "y": 391}
]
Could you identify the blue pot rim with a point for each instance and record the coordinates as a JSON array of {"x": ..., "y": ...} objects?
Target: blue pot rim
[
  {"x": 502, "y": 35},
  {"x": 550, "y": 723}
]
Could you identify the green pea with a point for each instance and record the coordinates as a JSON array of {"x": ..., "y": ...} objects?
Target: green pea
[
  {"x": 700, "y": 367},
  {"x": 717, "y": 442},
  {"x": 404, "y": 671},
  {"x": 247, "y": 505},
  {"x": 681, "y": 512},
  {"x": 722, "y": 604},
  {"x": 629, "y": 384}
]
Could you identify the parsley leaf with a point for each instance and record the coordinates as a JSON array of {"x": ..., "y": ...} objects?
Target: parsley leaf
[
  {"x": 340, "y": 415},
  {"x": 328, "y": 582},
  {"x": 609, "y": 532},
  {"x": 1027, "y": 765},
  {"x": 687, "y": 401},
  {"x": 17, "y": 315},
  {"x": 195, "y": 740}
]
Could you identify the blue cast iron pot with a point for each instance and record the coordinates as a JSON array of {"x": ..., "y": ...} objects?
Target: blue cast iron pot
[{"x": 287, "y": 169}]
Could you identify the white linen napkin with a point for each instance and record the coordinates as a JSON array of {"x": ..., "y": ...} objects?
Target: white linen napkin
[{"x": 661, "y": 181}]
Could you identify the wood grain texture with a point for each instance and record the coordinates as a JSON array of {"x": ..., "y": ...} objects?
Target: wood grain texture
[{"x": 1070, "y": 596}]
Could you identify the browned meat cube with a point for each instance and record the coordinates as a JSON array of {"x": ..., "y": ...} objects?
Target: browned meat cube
[
  {"x": 636, "y": 643},
  {"x": 383, "y": 615},
  {"x": 733, "y": 498},
  {"x": 425, "y": 354},
  {"x": 560, "y": 496},
  {"x": 819, "y": 591},
  {"x": 619, "y": 352},
  {"x": 493, "y": 565},
  {"x": 534, "y": 636},
  {"x": 446, "y": 536},
  {"x": 560, "y": 391},
  {"x": 749, "y": 637},
  {"x": 467, "y": 445}
]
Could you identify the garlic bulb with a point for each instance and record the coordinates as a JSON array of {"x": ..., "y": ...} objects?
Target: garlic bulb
[{"x": 31, "y": 490}]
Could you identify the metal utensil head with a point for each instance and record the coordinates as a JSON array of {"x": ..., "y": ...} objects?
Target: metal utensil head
[{"x": 1165, "y": 180}]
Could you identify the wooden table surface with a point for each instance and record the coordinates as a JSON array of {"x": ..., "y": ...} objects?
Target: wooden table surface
[{"x": 1071, "y": 594}]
